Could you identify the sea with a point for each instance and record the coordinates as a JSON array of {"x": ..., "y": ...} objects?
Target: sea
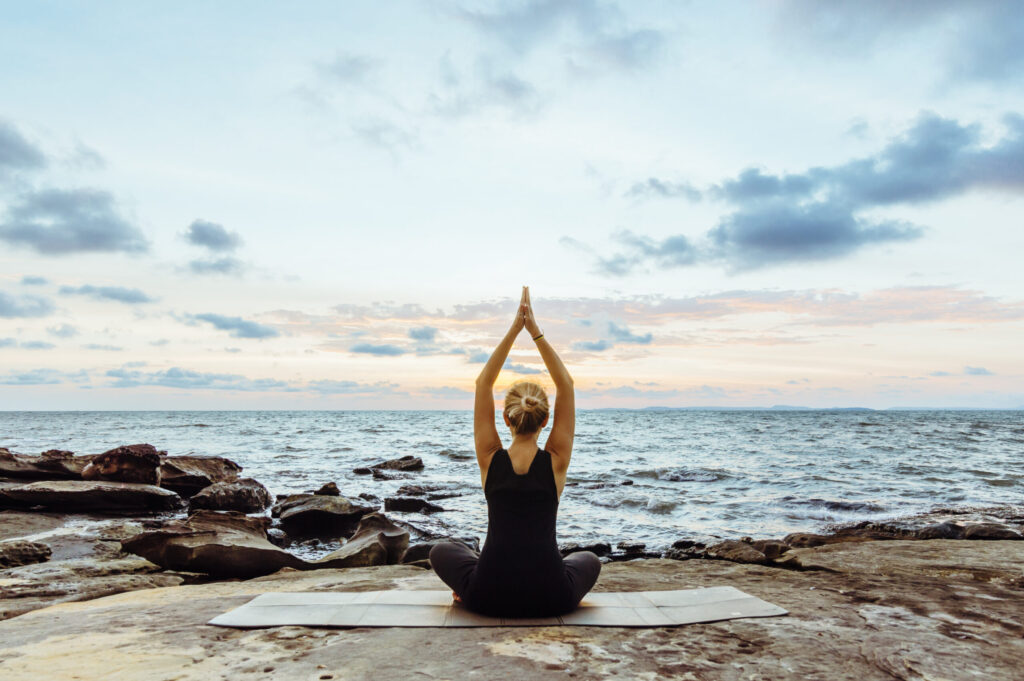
[{"x": 651, "y": 476}]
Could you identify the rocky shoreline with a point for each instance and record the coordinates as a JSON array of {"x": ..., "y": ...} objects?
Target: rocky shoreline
[{"x": 87, "y": 528}]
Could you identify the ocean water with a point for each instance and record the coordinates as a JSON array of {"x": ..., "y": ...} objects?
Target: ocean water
[{"x": 652, "y": 476}]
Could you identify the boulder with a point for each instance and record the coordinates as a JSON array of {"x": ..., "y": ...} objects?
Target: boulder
[
  {"x": 362, "y": 470},
  {"x": 771, "y": 548},
  {"x": 806, "y": 540},
  {"x": 329, "y": 489},
  {"x": 377, "y": 541},
  {"x": 990, "y": 531},
  {"x": 54, "y": 464},
  {"x": 186, "y": 475},
  {"x": 943, "y": 530},
  {"x": 315, "y": 515},
  {"x": 130, "y": 463},
  {"x": 17, "y": 552},
  {"x": 410, "y": 505},
  {"x": 404, "y": 463},
  {"x": 81, "y": 495},
  {"x": 244, "y": 495},
  {"x": 737, "y": 552},
  {"x": 223, "y": 545}
]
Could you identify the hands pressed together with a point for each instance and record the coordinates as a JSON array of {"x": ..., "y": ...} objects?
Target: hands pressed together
[{"x": 524, "y": 316}]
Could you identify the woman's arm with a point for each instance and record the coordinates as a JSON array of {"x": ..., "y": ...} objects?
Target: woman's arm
[
  {"x": 563, "y": 426},
  {"x": 485, "y": 435}
]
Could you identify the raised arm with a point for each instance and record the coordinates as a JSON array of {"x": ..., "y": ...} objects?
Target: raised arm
[
  {"x": 563, "y": 426},
  {"x": 485, "y": 434}
]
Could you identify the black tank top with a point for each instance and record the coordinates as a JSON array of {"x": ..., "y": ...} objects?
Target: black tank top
[{"x": 520, "y": 572}]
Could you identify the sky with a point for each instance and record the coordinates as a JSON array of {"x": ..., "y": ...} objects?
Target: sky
[{"x": 321, "y": 205}]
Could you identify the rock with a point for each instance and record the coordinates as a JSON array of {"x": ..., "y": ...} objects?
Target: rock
[
  {"x": 737, "y": 552},
  {"x": 631, "y": 548},
  {"x": 680, "y": 554},
  {"x": 17, "y": 552},
  {"x": 410, "y": 505},
  {"x": 187, "y": 475},
  {"x": 54, "y": 464},
  {"x": 330, "y": 489},
  {"x": 320, "y": 516},
  {"x": 377, "y": 541},
  {"x": 362, "y": 470},
  {"x": 369, "y": 497},
  {"x": 921, "y": 622},
  {"x": 771, "y": 548},
  {"x": 687, "y": 544},
  {"x": 420, "y": 551},
  {"x": 805, "y": 539},
  {"x": 81, "y": 495},
  {"x": 990, "y": 531},
  {"x": 405, "y": 463},
  {"x": 244, "y": 495},
  {"x": 129, "y": 463},
  {"x": 219, "y": 544},
  {"x": 383, "y": 475},
  {"x": 944, "y": 530},
  {"x": 597, "y": 548}
]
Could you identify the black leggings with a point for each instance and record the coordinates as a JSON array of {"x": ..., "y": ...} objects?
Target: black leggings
[{"x": 454, "y": 564}]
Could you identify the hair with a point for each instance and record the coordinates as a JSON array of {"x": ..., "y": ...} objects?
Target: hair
[{"x": 526, "y": 405}]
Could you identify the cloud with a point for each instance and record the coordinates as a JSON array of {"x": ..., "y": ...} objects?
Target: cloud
[
  {"x": 104, "y": 348},
  {"x": 24, "y": 306},
  {"x": 976, "y": 41},
  {"x": 520, "y": 368},
  {"x": 348, "y": 69},
  {"x": 29, "y": 280},
  {"x": 333, "y": 387},
  {"x": 33, "y": 377},
  {"x": 593, "y": 346},
  {"x": 120, "y": 294},
  {"x": 653, "y": 187},
  {"x": 423, "y": 333},
  {"x": 819, "y": 214},
  {"x": 212, "y": 236},
  {"x": 64, "y": 221},
  {"x": 371, "y": 349},
  {"x": 8, "y": 343},
  {"x": 622, "y": 334},
  {"x": 176, "y": 377},
  {"x": 239, "y": 328},
  {"x": 227, "y": 265},
  {"x": 977, "y": 371},
  {"x": 940, "y": 373},
  {"x": 37, "y": 345},
  {"x": 446, "y": 392},
  {"x": 17, "y": 153}
]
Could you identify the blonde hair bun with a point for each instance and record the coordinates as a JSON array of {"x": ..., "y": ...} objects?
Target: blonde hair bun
[{"x": 526, "y": 405}]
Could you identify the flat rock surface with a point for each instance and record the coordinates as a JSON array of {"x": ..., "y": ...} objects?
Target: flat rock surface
[{"x": 940, "y": 609}]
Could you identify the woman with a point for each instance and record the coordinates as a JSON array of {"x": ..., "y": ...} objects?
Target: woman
[{"x": 520, "y": 572}]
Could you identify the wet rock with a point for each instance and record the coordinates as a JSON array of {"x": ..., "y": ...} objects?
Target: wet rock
[
  {"x": 278, "y": 537},
  {"x": 329, "y": 489},
  {"x": 244, "y": 495},
  {"x": 627, "y": 547},
  {"x": 420, "y": 551},
  {"x": 771, "y": 548},
  {"x": 990, "y": 531},
  {"x": 737, "y": 552},
  {"x": 369, "y": 497},
  {"x": 597, "y": 548},
  {"x": 218, "y": 544},
  {"x": 377, "y": 541},
  {"x": 362, "y": 470},
  {"x": 54, "y": 464},
  {"x": 314, "y": 515},
  {"x": 15, "y": 552},
  {"x": 806, "y": 540},
  {"x": 129, "y": 463},
  {"x": 680, "y": 554},
  {"x": 410, "y": 505},
  {"x": 81, "y": 495},
  {"x": 383, "y": 475},
  {"x": 687, "y": 544},
  {"x": 944, "y": 530},
  {"x": 404, "y": 463},
  {"x": 187, "y": 475}
]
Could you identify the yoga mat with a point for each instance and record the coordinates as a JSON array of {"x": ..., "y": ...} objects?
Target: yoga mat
[{"x": 436, "y": 609}]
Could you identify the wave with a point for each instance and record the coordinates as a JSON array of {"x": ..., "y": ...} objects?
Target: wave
[
  {"x": 682, "y": 474},
  {"x": 836, "y": 505}
]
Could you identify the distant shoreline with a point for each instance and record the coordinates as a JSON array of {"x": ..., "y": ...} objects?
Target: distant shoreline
[{"x": 772, "y": 409}]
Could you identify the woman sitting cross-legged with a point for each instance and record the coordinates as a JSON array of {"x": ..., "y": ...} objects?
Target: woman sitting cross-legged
[{"x": 520, "y": 571}]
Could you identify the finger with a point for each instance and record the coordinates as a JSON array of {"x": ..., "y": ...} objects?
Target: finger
[{"x": 526, "y": 294}]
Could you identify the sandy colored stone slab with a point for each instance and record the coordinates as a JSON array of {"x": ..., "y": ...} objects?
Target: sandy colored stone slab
[{"x": 403, "y": 608}]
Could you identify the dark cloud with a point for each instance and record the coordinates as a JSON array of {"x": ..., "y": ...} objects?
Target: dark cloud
[
  {"x": 819, "y": 214},
  {"x": 29, "y": 280},
  {"x": 212, "y": 236},
  {"x": 227, "y": 265},
  {"x": 24, "y": 306},
  {"x": 120, "y": 294},
  {"x": 977, "y": 371},
  {"x": 423, "y": 333},
  {"x": 980, "y": 41},
  {"x": 239, "y": 328},
  {"x": 371, "y": 349},
  {"x": 176, "y": 377},
  {"x": 63, "y": 221},
  {"x": 16, "y": 152}
]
